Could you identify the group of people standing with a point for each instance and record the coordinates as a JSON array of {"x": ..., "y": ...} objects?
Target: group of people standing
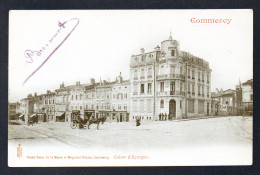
[{"x": 165, "y": 116}]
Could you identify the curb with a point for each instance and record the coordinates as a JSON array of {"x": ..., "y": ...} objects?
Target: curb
[{"x": 199, "y": 118}]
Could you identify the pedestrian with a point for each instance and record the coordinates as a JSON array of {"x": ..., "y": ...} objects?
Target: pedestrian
[
  {"x": 138, "y": 121},
  {"x": 160, "y": 117}
]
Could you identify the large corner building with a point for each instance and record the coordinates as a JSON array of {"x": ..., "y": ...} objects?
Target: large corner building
[{"x": 168, "y": 83}]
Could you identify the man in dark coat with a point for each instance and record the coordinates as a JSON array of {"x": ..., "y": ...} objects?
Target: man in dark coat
[{"x": 138, "y": 121}]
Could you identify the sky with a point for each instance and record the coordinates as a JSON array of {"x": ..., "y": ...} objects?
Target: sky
[{"x": 102, "y": 43}]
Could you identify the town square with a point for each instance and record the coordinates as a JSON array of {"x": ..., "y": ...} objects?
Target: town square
[{"x": 178, "y": 93}]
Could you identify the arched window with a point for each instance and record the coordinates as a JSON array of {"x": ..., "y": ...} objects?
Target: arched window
[{"x": 162, "y": 104}]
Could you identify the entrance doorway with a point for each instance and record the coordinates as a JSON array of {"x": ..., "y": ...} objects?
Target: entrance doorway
[
  {"x": 172, "y": 109},
  {"x": 216, "y": 109},
  {"x": 121, "y": 117},
  {"x": 207, "y": 109}
]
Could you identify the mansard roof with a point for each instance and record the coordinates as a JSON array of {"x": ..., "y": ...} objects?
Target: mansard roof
[
  {"x": 186, "y": 56},
  {"x": 248, "y": 82}
]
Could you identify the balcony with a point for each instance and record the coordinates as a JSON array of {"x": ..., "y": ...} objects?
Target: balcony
[
  {"x": 193, "y": 93},
  {"x": 161, "y": 93},
  {"x": 135, "y": 93},
  {"x": 198, "y": 79},
  {"x": 142, "y": 77},
  {"x": 170, "y": 76},
  {"x": 203, "y": 81},
  {"x": 135, "y": 78},
  {"x": 202, "y": 95},
  {"x": 193, "y": 78},
  {"x": 199, "y": 94},
  {"x": 171, "y": 93},
  {"x": 149, "y": 76}
]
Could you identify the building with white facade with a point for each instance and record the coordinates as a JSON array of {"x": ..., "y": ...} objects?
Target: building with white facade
[
  {"x": 247, "y": 97},
  {"x": 168, "y": 83}
]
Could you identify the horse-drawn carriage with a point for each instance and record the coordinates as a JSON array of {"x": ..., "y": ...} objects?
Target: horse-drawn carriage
[
  {"x": 80, "y": 123},
  {"x": 32, "y": 119}
]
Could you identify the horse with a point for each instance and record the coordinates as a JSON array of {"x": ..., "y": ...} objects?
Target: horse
[
  {"x": 32, "y": 120},
  {"x": 79, "y": 122},
  {"x": 96, "y": 121}
]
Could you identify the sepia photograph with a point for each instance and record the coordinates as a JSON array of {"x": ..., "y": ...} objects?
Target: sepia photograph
[{"x": 130, "y": 88}]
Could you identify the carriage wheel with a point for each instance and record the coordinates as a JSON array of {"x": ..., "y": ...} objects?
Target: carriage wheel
[
  {"x": 78, "y": 125},
  {"x": 73, "y": 125}
]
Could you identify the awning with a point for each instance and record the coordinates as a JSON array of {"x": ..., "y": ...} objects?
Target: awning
[
  {"x": 89, "y": 110},
  {"x": 21, "y": 115},
  {"x": 33, "y": 115},
  {"x": 59, "y": 113}
]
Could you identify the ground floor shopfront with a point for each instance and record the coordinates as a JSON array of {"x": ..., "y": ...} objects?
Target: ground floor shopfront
[
  {"x": 247, "y": 109},
  {"x": 111, "y": 116},
  {"x": 169, "y": 108},
  {"x": 114, "y": 116},
  {"x": 50, "y": 116}
]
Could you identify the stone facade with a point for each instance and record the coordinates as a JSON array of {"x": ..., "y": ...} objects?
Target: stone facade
[
  {"x": 169, "y": 83},
  {"x": 228, "y": 102},
  {"x": 101, "y": 99},
  {"x": 11, "y": 110},
  {"x": 120, "y": 100},
  {"x": 62, "y": 103},
  {"x": 247, "y": 97},
  {"x": 77, "y": 100},
  {"x": 48, "y": 105}
]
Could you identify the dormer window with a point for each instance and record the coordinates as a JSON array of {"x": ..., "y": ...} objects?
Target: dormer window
[
  {"x": 163, "y": 53},
  {"x": 173, "y": 53}
]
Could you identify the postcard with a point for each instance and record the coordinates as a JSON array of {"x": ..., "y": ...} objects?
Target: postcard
[{"x": 98, "y": 88}]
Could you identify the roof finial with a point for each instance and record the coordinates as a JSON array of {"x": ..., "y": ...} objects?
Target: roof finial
[{"x": 170, "y": 38}]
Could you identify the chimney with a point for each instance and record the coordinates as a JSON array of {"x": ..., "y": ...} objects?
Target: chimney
[
  {"x": 92, "y": 81},
  {"x": 120, "y": 78},
  {"x": 157, "y": 48},
  {"x": 48, "y": 91},
  {"x": 62, "y": 85},
  {"x": 29, "y": 95},
  {"x": 35, "y": 94},
  {"x": 142, "y": 51},
  {"x": 77, "y": 83}
]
